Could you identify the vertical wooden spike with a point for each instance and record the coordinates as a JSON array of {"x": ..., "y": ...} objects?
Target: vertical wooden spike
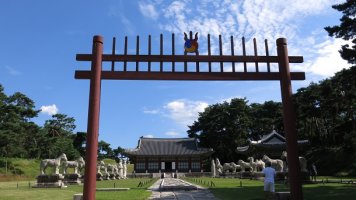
[
  {"x": 161, "y": 52},
  {"x": 244, "y": 52},
  {"x": 173, "y": 52},
  {"x": 190, "y": 34},
  {"x": 209, "y": 52},
  {"x": 267, "y": 54},
  {"x": 255, "y": 50},
  {"x": 232, "y": 52},
  {"x": 149, "y": 52},
  {"x": 113, "y": 53},
  {"x": 125, "y": 53},
  {"x": 221, "y": 53},
  {"x": 137, "y": 51}
]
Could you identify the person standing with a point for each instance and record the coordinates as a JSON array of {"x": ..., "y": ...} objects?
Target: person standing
[
  {"x": 313, "y": 172},
  {"x": 269, "y": 174}
]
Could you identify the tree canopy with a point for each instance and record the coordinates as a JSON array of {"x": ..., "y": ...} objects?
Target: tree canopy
[
  {"x": 346, "y": 30},
  {"x": 20, "y": 137}
]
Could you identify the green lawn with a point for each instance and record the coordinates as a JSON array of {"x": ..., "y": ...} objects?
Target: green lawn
[
  {"x": 9, "y": 191},
  {"x": 226, "y": 189}
]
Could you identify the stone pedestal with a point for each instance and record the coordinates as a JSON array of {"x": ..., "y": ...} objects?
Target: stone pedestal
[
  {"x": 72, "y": 179},
  {"x": 50, "y": 181},
  {"x": 78, "y": 196}
]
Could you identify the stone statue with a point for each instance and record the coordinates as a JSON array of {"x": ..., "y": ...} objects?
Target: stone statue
[
  {"x": 260, "y": 165},
  {"x": 277, "y": 164},
  {"x": 227, "y": 167},
  {"x": 78, "y": 164},
  {"x": 124, "y": 171},
  {"x": 98, "y": 167},
  {"x": 252, "y": 163},
  {"x": 302, "y": 162},
  {"x": 244, "y": 165},
  {"x": 218, "y": 166},
  {"x": 112, "y": 170},
  {"x": 120, "y": 168},
  {"x": 213, "y": 170},
  {"x": 52, "y": 163}
]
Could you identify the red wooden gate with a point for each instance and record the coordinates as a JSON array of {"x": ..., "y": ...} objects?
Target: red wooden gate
[{"x": 96, "y": 74}]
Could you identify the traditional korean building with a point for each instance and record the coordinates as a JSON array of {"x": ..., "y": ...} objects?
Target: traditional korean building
[
  {"x": 272, "y": 144},
  {"x": 154, "y": 155}
]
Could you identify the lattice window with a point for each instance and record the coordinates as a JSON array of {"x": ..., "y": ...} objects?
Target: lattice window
[
  {"x": 140, "y": 165},
  {"x": 195, "y": 165},
  {"x": 153, "y": 165},
  {"x": 183, "y": 165}
]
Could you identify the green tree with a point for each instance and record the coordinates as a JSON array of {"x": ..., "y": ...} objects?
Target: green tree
[
  {"x": 346, "y": 30},
  {"x": 104, "y": 150},
  {"x": 326, "y": 116},
  {"x": 60, "y": 125},
  {"x": 79, "y": 142},
  {"x": 265, "y": 117},
  {"x": 223, "y": 127},
  {"x": 59, "y": 132},
  {"x": 16, "y": 112}
]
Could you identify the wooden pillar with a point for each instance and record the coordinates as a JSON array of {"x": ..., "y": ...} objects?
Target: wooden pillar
[
  {"x": 289, "y": 120},
  {"x": 201, "y": 163},
  {"x": 93, "y": 120},
  {"x": 146, "y": 164},
  {"x": 190, "y": 164}
]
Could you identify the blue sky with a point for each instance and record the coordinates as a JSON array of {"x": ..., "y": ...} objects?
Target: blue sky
[{"x": 39, "y": 41}]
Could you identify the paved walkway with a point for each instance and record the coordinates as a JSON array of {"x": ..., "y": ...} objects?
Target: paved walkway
[{"x": 170, "y": 188}]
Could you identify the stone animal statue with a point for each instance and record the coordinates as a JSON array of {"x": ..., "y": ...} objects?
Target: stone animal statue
[
  {"x": 260, "y": 165},
  {"x": 244, "y": 165},
  {"x": 52, "y": 163},
  {"x": 253, "y": 164},
  {"x": 277, "y": 164},
  {"x": 76, "y": 165},
  {"x": 103, "y": 170},
  {"x": 302, "y": 162},
  {"x": 218, "y": 166},
  {"x": 112, "y": 170},
  {"x": 227, "y": 167}
]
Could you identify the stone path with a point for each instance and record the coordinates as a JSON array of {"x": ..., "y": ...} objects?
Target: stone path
[{"x": 170, "y": 189}]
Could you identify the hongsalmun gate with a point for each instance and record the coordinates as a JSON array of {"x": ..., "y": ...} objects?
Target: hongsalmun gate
[{"x": 183, "y": 156}]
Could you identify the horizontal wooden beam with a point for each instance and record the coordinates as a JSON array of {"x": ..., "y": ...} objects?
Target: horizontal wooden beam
[
  {"x": 187, "y": 58},
  {"x": 186, "y": 76}
]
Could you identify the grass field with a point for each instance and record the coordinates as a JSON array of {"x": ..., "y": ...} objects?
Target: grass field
[
  {"x": 21, "y": 190},
  {"x": 227, "y": 189}
]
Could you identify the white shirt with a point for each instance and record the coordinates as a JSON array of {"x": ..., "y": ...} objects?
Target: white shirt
[{"x": 269, "y": 174}]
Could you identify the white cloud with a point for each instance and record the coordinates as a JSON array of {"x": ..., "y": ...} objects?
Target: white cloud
[
  {"x": 152, "y": 112},
  {"x": 148, "y": 10},
  {"x": 328, "y": 60},
  {"x": 148, "y": 136},
  {"x": 261, "y": 20},
  {"x": 183, "y": 111},
  {"x": 12, "y": 71},
  {"x": 50, "y": 109},
  {"x": 172, "y": 134}
]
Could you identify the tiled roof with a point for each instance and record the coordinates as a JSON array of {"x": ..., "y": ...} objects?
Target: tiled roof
[
  {"x": 167, "y": 147},
  {"x": 272, "y": 140}
]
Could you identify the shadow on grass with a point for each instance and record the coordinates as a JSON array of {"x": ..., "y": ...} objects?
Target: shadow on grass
[{"x": 310, "y": 192}]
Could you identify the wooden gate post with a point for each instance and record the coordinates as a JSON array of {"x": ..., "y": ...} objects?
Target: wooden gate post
[
  {"x": 289, "y": 120},
  {"x": 93, "y": 120}
]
